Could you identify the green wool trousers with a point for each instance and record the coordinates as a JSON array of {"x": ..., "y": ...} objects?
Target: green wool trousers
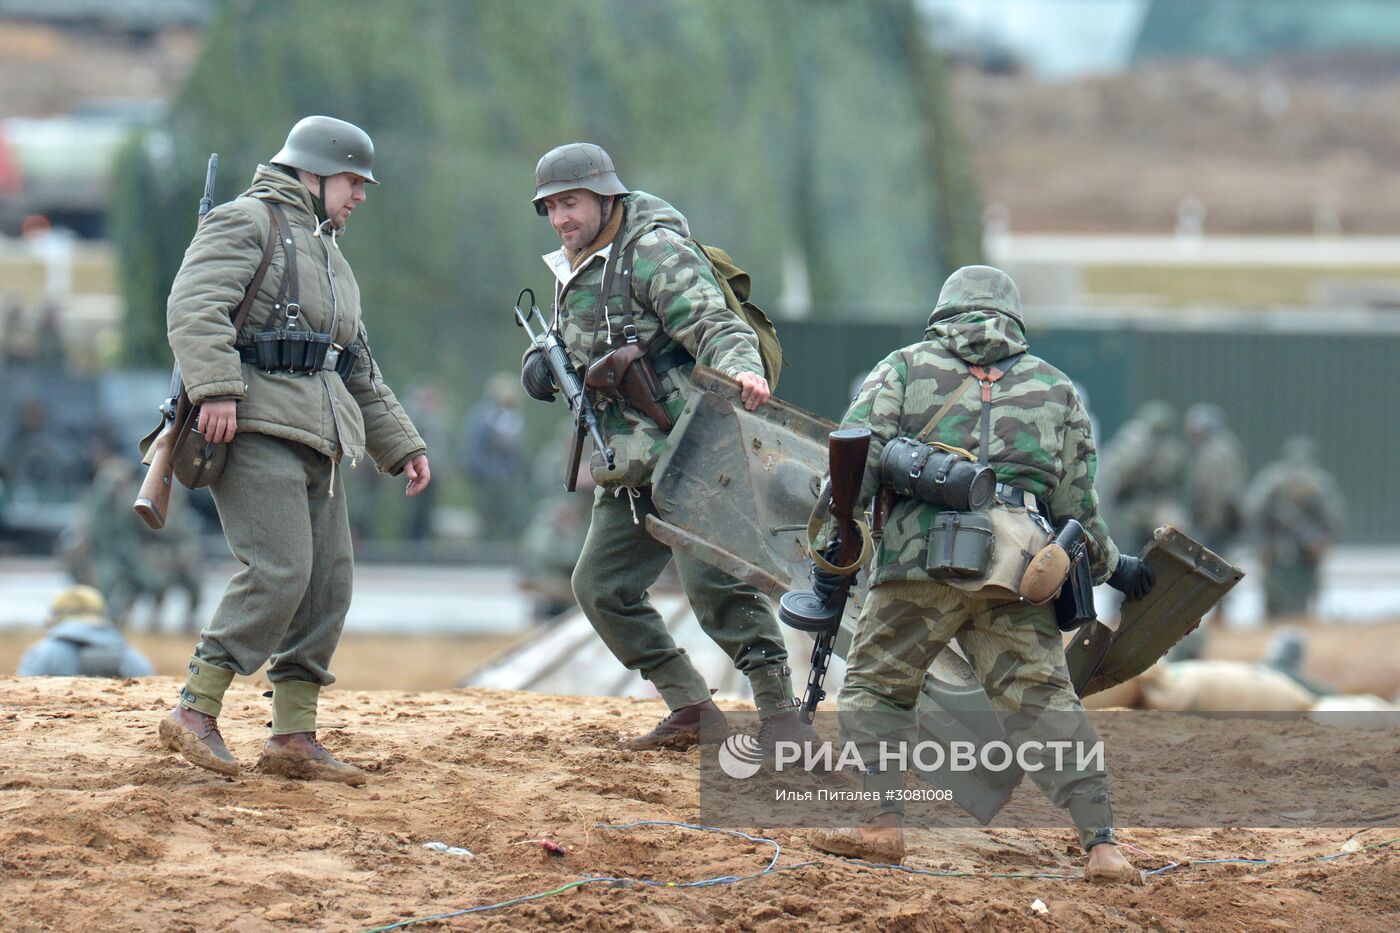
[
  {"x": 619, "y": 564},
  {"x": 282, "y": 506},
  {"x": 1015, "y": 650}
]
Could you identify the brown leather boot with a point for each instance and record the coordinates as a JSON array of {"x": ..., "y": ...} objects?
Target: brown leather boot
[
  {"x": 298, "y": 755},
  {"x": 1108, "y": 865},
  {"x": 683, "y": 729},
  {"x": 196, "y": 736},
  {"x": 878, "y": 840},
  {"x": 786, "y": 727}
]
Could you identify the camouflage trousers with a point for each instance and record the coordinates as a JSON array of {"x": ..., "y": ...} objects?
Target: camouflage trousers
[
  {"x": 619, "y": 564},
  {"x": 1016, "y": 652}
]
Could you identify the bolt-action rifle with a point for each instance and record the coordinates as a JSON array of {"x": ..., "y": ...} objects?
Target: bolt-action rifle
[
  {"x": 844, "y": 554},
  {"x": 153, "y": 501},
  {"x": 585, "y": 418}
]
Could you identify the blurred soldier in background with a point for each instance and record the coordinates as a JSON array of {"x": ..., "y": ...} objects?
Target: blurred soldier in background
[
  {"x": 1295, "y": 513},
  {"x": 554, "y": 539},
  {"x": 629, "y": 272},
  {"x": 424, "y": 406},
  {"x": 110, "y": 547},
  {"x": 1142, "y": 476},
  {"x": 292, "y": 424},
  {"x": 1215, "y": 478},
  {"x": 81, "y": 643},
  {"x": 1032, "y": 429},
  {"x": 491, "y": 452}
]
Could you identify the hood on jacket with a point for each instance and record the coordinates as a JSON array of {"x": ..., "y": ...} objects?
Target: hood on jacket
[
  {"x": 978, "y": 316},
  {"x": 646, "y": 212}
]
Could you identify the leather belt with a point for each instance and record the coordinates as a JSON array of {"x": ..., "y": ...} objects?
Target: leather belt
[{"x": 1013, "y": 495}]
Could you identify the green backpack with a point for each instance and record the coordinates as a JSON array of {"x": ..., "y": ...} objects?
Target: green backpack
[{"x": 735, "y": 283}]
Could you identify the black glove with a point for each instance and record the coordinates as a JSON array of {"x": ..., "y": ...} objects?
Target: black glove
[
  {"x": 1132, "y": 577},
  {"x": 825, "y": 583},
  {"x": 536, "y": 378}
]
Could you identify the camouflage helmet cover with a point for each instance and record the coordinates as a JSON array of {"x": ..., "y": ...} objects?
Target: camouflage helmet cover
[
  {"x": 326, "y": 146},
  {"x": 978, "y": 288},
  {"x": 575, "y": 165}
]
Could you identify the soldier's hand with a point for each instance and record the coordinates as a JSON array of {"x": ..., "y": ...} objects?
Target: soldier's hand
[
  {"x": 535, "y": 377},
  {"x": 1132, "y": 577},
  {"x": 755, "y": 390},
  {"x": 419, "y": 476},
  {"x": 825, "y": 584},
  {"x": 218, "y": 421}
]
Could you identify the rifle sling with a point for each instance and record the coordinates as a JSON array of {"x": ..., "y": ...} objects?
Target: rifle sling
[{"x": 182, "y": 430}]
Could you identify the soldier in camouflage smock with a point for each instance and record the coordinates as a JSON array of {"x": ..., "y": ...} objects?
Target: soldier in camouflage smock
[
  {"x": 1040, "y": 446},
  {"x": 680, "y": 314}
]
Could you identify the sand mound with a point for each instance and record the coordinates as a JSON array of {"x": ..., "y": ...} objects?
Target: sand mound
[{"x": 104, "y": 830}]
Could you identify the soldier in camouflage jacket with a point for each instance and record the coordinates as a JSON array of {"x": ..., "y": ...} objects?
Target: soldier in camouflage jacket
[
  {"x": 1039, "y": 443},
  {"x": 680, "y": 314}
]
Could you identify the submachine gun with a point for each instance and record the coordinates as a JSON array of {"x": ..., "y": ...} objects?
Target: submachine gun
[
  {"x": 585, "y": 418},
  {"x": 179, "y": 415},
  {"x": 849, "y": 548}
]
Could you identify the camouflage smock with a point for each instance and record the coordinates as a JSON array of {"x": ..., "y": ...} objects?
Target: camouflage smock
[
  {"x": 676, "y": 303},
  {"x": 1040, "y": 436}
]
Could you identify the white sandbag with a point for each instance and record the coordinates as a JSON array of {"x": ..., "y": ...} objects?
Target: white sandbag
[
  {"x": 1356, "y": 711},
  {"x": 1127, "y": 694},
  {"x": 1222, "y": 686}
]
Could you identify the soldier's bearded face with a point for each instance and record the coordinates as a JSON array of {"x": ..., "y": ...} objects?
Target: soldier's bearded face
[{"x": 576, "y": 215}]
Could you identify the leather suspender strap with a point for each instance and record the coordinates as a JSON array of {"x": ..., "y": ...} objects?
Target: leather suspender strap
[
  {"x": 629, "y": 323},
  {"x": 287, "y": 293},
  {"x": 251, "y": 294},
  {"x": 947, "y": 407},
  {"x": 987, "y": 377}
]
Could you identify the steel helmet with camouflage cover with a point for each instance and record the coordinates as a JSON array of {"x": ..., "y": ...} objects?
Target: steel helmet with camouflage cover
[
  {"x": 978, "y": 288},
  {"x": 575, "y": 165},
  {"x": 326, "y": 146}
]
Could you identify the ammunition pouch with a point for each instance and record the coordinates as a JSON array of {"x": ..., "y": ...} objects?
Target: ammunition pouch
[
  {"x": 197, "y": 462},
  {"x": 627, "y": 375},
  {"x": 938, "y": 474},
  {"x": 299, "y": 352}
]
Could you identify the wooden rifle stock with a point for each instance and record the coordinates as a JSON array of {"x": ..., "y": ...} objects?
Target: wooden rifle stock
[
  {"x": 847, "y": 451},
  {"x": 846, "y": 454},
  {"x": 153, "y": 500}
]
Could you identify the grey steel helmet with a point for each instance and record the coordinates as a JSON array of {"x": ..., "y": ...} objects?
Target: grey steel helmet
[
  {"x": 326, "y": 146},
  {"x": 575, "y": 165}
]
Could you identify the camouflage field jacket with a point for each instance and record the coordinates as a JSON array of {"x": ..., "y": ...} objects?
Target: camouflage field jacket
[
  {"x": 1040, "y": 439},
  {"x": 676, "y": 303}
]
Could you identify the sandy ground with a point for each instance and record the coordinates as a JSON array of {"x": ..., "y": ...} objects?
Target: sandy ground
[{"x": 102, "y": 829}]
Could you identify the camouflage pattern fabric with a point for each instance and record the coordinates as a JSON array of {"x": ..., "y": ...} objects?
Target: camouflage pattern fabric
[
  {"x": 1215, "y": 480},
  {"x": 1143, "y": 472},
  {"x": 1040, "y": 439},
  {"x": 676, "y": 302},
  {"x": 1295, "y": 510},
  {"x": 1016, "y": 652}
]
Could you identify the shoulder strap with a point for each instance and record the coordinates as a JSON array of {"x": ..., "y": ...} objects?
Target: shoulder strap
[
  {"x": 629, "y": 323},
  {"x": 287, "y": 293},
  {"x": 987, "y": 377},
  {"x": 251, "y": 294},
  {"x": 947, "y": 407}
]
